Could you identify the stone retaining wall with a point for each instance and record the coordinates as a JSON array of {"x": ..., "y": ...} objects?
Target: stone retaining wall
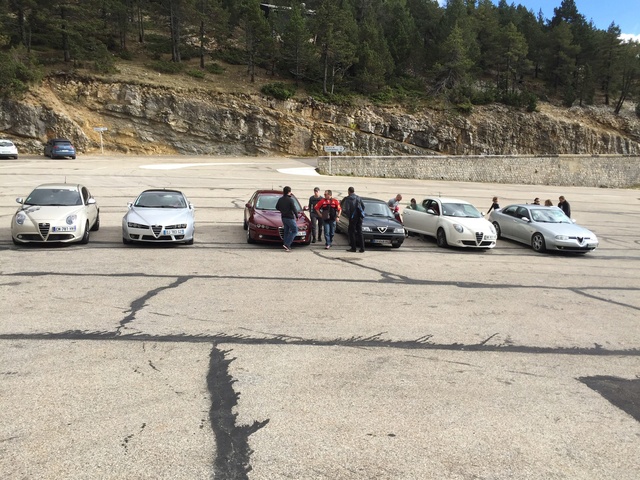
[{"x": 610, "y": 171}]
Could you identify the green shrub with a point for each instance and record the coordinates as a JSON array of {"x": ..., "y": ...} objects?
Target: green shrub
[
  {"x": 280, "y": 91},
  {"x": 125, "y": 55},
  {"x": 17, "y": 71},
  {"x": 196, "y": 73},
  {"x": 214, "y": 68},
  {"x": 164, "y": 66}
]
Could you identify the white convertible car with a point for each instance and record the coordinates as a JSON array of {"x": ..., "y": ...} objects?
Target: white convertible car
[
  {"x": 452, "y": 222},
  {"x": 159, "y": 216},
  {"x": 62, "y": 212}
]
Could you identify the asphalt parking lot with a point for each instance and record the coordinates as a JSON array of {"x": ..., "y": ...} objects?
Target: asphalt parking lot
[{"x": 227, "y": 360}]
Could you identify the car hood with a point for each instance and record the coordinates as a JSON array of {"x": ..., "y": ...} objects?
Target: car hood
[
  {"x": 475, "y": 224},
  {"x": 273, "y": 218},
  {"x": 158, "y": 216},
  {"x": 49, "y": 214},
  {"x": 375, "y": 222},
  {"x": 568, "y": 229}
]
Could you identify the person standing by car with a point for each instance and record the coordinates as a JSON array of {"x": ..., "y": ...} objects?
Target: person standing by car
[
  {"x": 316, "y": 219},
  {"x": 548, "y": 203},
  {"x": 494, "y": 205},
  {"x": 536, "y": 201},
  {"x": 354, "y": 209},
  {"x": 328, "y": 209},
  {"x": 287, "y": 208},
  {"x": 394, "y": 206},
  {"x": 564, "y": 205}
]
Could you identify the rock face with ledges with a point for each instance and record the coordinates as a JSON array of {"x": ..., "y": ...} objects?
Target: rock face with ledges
[{"x": 149, "y": 119}]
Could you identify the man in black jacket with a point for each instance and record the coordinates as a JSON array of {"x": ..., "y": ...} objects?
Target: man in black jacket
[
  {"x": 287, "y": 208},
  {"x": 564, "y": 205},
  {"x": 354, "y": 209}
]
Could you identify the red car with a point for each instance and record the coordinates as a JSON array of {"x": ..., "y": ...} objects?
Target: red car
[{"x": 263, "y": 222}]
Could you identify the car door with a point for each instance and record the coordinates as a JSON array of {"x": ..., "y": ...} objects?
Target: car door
[
  {"x": 415, "y": 220},
  {"x": 522, "y": 227},
  {"x": 91, "y": 208},
  {"x": 505, "y": 219}
]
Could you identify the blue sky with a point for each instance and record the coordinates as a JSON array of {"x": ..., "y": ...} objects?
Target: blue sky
[{"x": 625, "y": 13}]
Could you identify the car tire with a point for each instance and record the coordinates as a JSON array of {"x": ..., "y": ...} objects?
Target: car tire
[
  {"x": 249, "y": 239},
  {"x": 126, "y": 241},
  {"x": 85, "y": 235},
  {"x": 441, "y": 238},
  {"x": 191, "y": 240},
  {"x": 15, "y": 242},
  {"x": 496, "y": 225},
  {"x": 96, "y": 226},
  {"x": 245, "y": 225},
  {"x": 537, "y": 243},
  {"x": 73, "y": 158},
  {"x": 396, "y": 244}
]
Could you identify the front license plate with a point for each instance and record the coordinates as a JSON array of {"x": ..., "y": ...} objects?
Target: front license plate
[
  {"x": 173, "y": 232},
  {"x": 301, "y": 234},
  {"x": 64, "y": 229},
  {"x": 375, "y": 240},
  {"x": 490, "y": 237}
]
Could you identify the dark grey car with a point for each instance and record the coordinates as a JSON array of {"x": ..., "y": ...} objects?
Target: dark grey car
[{"x": 379, "y": 226}]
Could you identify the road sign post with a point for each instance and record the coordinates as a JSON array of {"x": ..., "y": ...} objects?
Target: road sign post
[
  {"x": 100, "y": 130},
  {"x": 333, "y": 149}
]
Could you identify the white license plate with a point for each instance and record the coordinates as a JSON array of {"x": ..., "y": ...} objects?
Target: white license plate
[
  {"x": 64, "y": 229},
  {"x": 380, "y": 241},
  {"x": 301, "y": 234},
  {"x": 173, "y": 232}
]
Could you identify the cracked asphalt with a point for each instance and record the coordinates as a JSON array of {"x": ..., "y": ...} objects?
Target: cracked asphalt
[{"x": 234, "y": 361}]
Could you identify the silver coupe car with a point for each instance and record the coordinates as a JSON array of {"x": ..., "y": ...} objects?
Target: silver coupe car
[
  {"x": 159, "y": 216},
  {"x": 59, "y": 212},
  {"x": 544, "y": 228}
]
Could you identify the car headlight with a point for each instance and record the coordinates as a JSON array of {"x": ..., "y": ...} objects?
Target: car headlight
[
  {"x": 136, "y": 225},
  {"x": 562, "y": 237},
  {"x": 71, "y": 219},
  {"x": 366, "y": 229},
  {"x": 458, "y": 228},
  {"x": 20, "y": 218},
  {"x": 180, "y": 225},
  {"x": 398, "y": 230}
]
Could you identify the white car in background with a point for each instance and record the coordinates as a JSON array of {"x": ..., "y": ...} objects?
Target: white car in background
[
  {"x": 8, "y": 149},
  {"x": 56, "y": 212},
  {"x": 159, "y": 216},
  {"x": 452, "y": 222}
]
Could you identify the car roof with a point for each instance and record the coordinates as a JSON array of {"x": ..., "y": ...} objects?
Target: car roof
[
  {"x": 370, "y": 199},
  {"x": 527, "y": 205},
  {"x": 60, "y": 140},
  {"x": 59, "y": 185},
  {"x": 160, "y": 190},
  {"x": 5, "y": 140},
  {"x": 448, "y": 200},
  {"x": 276, "y": 192}
]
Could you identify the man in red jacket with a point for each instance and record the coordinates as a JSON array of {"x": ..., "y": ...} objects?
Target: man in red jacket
[{"x": 329, "y": 210}]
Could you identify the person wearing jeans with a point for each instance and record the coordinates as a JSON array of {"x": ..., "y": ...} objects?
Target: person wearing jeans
[
  {"x": 329, "y": 210},
  {"x": 289, "y": 213}
]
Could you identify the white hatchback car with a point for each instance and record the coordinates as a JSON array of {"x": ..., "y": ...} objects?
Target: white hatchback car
[
  {"x": 61, "y": 212},
  {"x": 8, "y": 149},
  {"x": 452, "y": 222}
]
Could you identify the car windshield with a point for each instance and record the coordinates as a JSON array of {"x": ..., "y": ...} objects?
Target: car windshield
[
  {"x": 549, "y": 215},
  {"x": 377, "y": 209},
  {"x": 6, "y": 143},
  {"x": 460, "y": 210},
  {"x": 268, "y": 202},
  {"x": 161, "y": 200},
  {"x": 54, "y": 197}
]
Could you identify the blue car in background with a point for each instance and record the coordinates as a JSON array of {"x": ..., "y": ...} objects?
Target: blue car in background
[{"x": 59, "y": 148}]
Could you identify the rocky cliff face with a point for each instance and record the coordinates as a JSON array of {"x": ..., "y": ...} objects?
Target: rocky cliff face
[{"x": 146, "y": 119}]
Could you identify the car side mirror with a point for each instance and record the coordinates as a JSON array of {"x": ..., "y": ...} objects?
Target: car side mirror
[
  {"x": 91, "y": 201},
  {"x": 305, "y": 208},
  {"x": 20, "y": 200},
  {"x": 248, "y": 205},
  {"x": 431, "y": 211},
  {"x": 191, "y": 206},
  {"x": 130, "y": 204},
  {"x": 525, "y": 219}
]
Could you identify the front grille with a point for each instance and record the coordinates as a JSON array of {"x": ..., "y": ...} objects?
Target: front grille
[
  {"x": 156, "y": 229},
  {"x": 163, "y": 238},
  {"x": 44, "y": 229},
  {"x": 281, "y": 232},
  {"x": 479, "y": 237}
]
